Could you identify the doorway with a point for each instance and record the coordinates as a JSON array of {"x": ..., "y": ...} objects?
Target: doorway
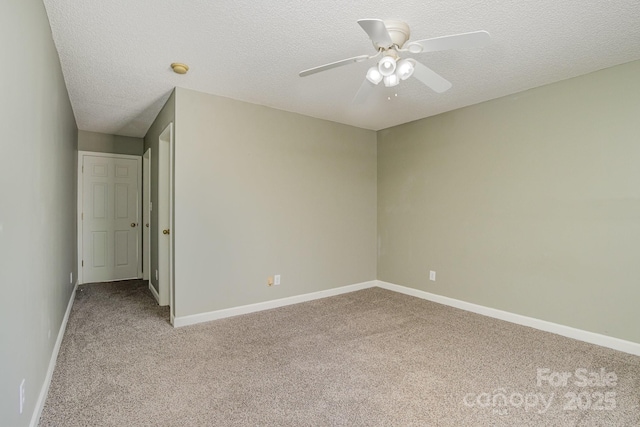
[
  {"x": 146, "y": 215},
  {"x": 165, "y": 219},
  {"x": 109, "y": 233}
]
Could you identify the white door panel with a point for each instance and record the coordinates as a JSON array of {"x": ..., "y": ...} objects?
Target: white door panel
[
  {"x": 165, "y": 218},
  {"x": 99, "y": 246},
  {"x": 110, "y": 212},
  {"x": 146, "y": 215}
]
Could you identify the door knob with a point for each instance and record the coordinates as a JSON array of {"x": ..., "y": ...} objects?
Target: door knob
[
  {"x": 165, "y": 231},
  {"x": 133, "y": 224},
  {"x": 147, "y": 225}
]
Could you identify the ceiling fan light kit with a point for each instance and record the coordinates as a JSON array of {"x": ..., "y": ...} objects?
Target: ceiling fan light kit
[
  {"x": 387, "y": 66},
  {"x": 405, "y": 68},
  {"x": 374, "y": 75},
  {"x": 391, "y": 80},
  {"x": 390, "y": 37},
  {"x": 390, "y": 71}
]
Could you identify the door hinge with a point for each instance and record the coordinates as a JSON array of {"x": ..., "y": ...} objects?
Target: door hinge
[
  {"x": 83, "y": 263},
  {"x": 82, "y": 216}
]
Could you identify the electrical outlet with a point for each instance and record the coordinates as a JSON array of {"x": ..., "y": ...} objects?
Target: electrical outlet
[
  {"x": 156, "y": 275},
  {"x": 270, "y": 281},
  {"x": 71, "y": 277},
  {"x": 22, "y": 395},
  {"x": 432, "y": 276},
  {"x": 277, "y": 280}
]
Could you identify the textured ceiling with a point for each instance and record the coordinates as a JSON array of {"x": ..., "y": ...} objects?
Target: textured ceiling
[{"x": 116, "y": 54}]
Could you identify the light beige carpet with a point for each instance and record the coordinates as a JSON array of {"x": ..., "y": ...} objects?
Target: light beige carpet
[{"x": 368, "y": 358}]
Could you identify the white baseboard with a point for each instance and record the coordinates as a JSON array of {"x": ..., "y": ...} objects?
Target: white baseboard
[
  {"x": 267, "y": 305},
  {"x": 543, "y": 325},
  {"x": 154, "y": 292},
  {"x": 44, "y": 391}
]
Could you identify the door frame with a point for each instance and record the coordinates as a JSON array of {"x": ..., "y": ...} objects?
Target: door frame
[
  {"x": 80, "y": 248},
  {"x": 165, "y": 193}
]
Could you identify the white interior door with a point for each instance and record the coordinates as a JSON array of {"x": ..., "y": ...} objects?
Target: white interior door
[
  {"x": 165, "y": 218},
  {"x": 110, "y": 218},
  {"x": 146, "y": 215}
]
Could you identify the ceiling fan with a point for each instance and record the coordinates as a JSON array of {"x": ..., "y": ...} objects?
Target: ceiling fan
[{"x": 391, "y": 40}]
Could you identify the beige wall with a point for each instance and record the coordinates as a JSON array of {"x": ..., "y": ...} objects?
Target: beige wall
[
  {"x": 105, "y": 143},
  {"x": 165, "y": 116},
  {"x": 259, "y": 192},
  {"x": 38, "y": 164},
  {"x": 528, "y": 203}
]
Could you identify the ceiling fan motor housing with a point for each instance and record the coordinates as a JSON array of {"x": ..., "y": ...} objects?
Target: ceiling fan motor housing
[{"x": 398, "y": 31}]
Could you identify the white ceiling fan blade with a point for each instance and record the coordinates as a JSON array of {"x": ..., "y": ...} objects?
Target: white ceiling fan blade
[
  {"x": 430, "y": 78},
  {"x": 377, "y": 32},
  {"x": 455, "y": 41},
  {"x": 363, "y": 93},
  {"x": 333, "y": 65}
]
